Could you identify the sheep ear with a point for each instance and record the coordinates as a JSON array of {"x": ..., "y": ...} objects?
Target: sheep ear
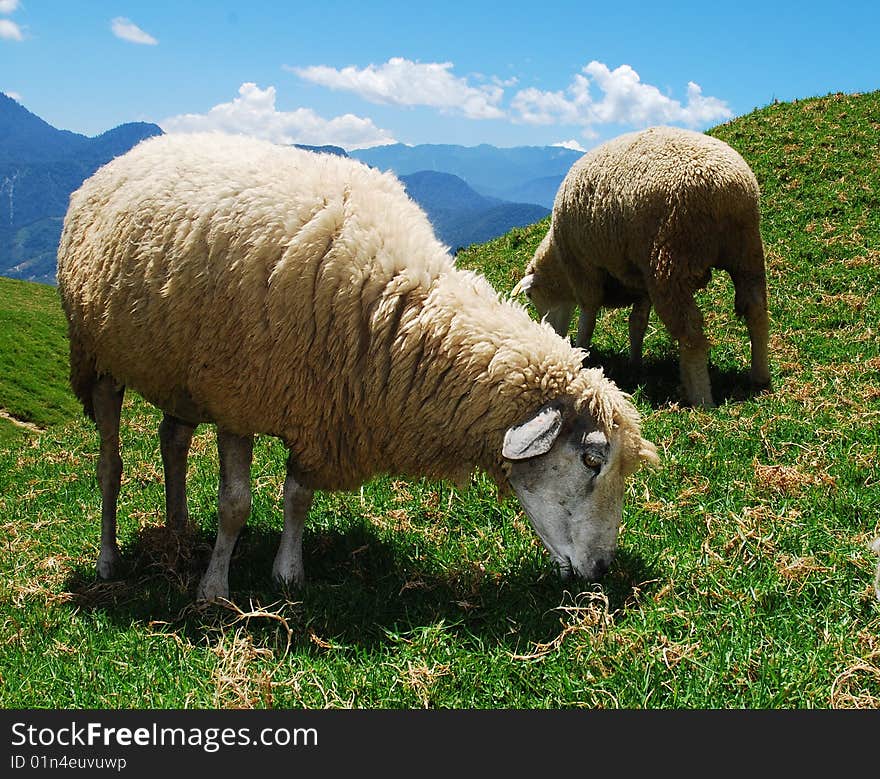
[
  {"x": 534, "y": 436},
  {"x": 524, "y": 285},
  {"x": 648, "y": 452}
]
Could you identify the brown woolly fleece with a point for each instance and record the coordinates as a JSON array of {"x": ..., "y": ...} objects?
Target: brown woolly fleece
[
  {"x": 277, "y": 291},
  {"x": 652, "y": 212}
]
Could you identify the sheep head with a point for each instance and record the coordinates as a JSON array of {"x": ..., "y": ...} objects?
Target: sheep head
[
  {"x": 569, "y": 475},
  {"x": 547, "y": 288}
]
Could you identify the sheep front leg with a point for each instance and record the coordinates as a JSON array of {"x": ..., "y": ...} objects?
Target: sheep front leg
[
  {"x": 589, "y": 297},
  {"x": 288, "y": 569},
  {"x": 175, "y": 437},
  {"x": 586, "y": 326},
  {"x": 107, "y": 403},
  {"x": 233, "y": 507},
  {"x": 559, "y": 317}
]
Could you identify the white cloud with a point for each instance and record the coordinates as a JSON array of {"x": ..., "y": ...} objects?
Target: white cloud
[
  {"x": 537, "y": 107},
  {"x": 129, "y": 31},
  {"x": 625, "y": 99},
  {"x": 705, "y": 109},
  {"x": 10, "y": 31},
  {"x": 406, "y": 83},
  {"x": 254, "y": 113},
  {"x": 8, "y": 6},
  {"x": 14, "y": 95},
  {"x": 571, "y": 143}
]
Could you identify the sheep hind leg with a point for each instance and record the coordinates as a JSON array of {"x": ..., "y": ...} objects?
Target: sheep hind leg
[
  {"x": 638, "y": 325},
  {"x": 233, "y": 507},
  {"x": 751, "y": 304},
  {"x": 288, "y": 568},
  {"x": 107, "y": 403},
  {"x": 693, "y": 364},
  {"x": 175, "y": 437},
  {"x": 684, "y": 321}
]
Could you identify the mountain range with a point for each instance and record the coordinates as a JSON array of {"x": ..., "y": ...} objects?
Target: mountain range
[
  {"x": 460, "y": 215},
  {"x": 39, "y": 167},
  {"x": 470, "y": 194},
  {"x": 529, "y": 174}
]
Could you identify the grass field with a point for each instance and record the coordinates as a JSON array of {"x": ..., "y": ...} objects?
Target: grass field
[
  {"x": 744, "y": 575},
  {"x": 33, "y": 359}
]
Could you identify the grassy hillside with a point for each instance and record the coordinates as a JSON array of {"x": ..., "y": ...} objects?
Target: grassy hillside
[
  {"x": 743, "y": 577},
  {"x": 33, "y": 358}
]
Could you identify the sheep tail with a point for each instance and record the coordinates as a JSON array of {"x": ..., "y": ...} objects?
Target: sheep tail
[{"x": 83, "y": 375}]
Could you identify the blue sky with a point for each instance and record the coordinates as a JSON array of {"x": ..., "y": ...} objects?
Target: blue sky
[{"x": 361, "y": 73}]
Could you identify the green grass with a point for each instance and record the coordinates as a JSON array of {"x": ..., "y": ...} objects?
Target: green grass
[
  {"x": 743, "y": 577},
  {"x": 33, "y": 357}
]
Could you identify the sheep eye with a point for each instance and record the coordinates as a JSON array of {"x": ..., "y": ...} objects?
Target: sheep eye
[{"x": 592, "y": 462}]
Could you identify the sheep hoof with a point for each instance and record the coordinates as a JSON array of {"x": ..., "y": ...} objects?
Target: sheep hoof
[
  {"x": 177, "y": 524},
  {"x": 760, "y": 384},
  {"x": 109, "y": 564},
  {"x": 212, "y": 590},
  {"x": 288, "y": 579}
]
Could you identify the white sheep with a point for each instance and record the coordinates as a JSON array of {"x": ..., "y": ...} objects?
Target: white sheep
[
  {"x": 642, "y": 220},
  {"x": 270, "y": 290}
]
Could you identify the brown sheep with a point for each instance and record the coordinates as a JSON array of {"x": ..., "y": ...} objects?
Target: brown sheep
[{"x": 641, "y": 221}]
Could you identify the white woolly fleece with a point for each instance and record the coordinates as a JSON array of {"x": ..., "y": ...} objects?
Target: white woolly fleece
[{"x": 273, "y": 290}]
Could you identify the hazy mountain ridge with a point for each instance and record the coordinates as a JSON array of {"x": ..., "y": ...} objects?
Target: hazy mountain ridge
[
  {"x": 26, "y": 139},
  {"x": 540, "y": 190},
  {"x": 460, "y": 215},
  {"x": 39, "y": 167},
  {"x": 505, "y": 173},
  {"x": 326, "y": 149}
]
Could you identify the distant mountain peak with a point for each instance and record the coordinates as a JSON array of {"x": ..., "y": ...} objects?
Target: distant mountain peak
[
  {"x": 25, "y": 138},
  {"x": 146, "y": 128},
  {"x": 326, "y": 149},
  {"x": 462, "y": 216},
  {"x": 23, "y": 134},
  {"x": 39, "y": 167}
]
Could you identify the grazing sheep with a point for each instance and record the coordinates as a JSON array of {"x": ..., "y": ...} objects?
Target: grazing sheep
[
  {"x": 270, "y": 290},
  {"x": 642, "y": 220}
]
